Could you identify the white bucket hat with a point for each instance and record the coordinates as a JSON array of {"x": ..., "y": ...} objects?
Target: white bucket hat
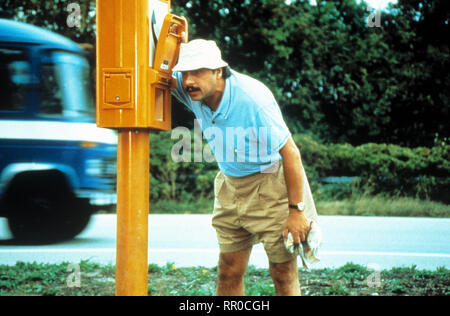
[{"x": 198, "y": 54}]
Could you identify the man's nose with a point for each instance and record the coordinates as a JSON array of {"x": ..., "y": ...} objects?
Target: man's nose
[{"x": 188, "y": 80}]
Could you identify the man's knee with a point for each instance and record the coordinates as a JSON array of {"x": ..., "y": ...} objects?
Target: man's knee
[
  {"x": 285, "y": 278},
  {"x": 283, "y": 273},
  {"x": 230, "y": 275},
  {"x": 232, "y": 266}
]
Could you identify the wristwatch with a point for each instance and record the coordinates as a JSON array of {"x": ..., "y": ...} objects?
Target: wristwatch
[{"x": 299, "y": 207}]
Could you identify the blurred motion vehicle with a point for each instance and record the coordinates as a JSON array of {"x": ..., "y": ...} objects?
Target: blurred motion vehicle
[{"x": 56, "y": 166}]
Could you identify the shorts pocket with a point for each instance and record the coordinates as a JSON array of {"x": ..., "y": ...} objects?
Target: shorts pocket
[
  {"x": 218, "y": 183},
  {"x": 272, "y": 192},
  {"x": 223, "y": 193}
]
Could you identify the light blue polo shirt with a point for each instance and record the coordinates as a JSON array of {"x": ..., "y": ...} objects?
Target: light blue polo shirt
[{"x": 247, "y": 130}]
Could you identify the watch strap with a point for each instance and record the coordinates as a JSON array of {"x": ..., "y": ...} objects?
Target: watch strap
[{"x": 299, "y": 207}]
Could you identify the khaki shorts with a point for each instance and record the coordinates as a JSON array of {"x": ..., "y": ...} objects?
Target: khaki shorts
[{"x": 252, "y": 209}]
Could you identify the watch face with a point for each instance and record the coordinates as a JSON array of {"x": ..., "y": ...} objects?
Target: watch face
[{"x": 301, "y": 206}]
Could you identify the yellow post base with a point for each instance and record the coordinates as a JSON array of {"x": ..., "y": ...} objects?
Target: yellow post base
[{"x": 132, "y": 212}]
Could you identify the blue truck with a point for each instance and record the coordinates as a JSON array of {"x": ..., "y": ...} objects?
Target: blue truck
[{"x": 56, "y": 165}]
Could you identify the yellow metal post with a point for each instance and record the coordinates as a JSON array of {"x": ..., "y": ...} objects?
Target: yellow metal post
[
  {"x": 137, "y": 46},
  {"x": 132, "y": 212}
]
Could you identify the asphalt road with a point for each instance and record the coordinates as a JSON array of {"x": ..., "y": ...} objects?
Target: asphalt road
[{"x": 189, "y": 240}]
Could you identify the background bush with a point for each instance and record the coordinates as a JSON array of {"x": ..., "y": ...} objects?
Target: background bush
[
  {"x": 375, "y": 168},
  {"x": 183, "y": 181}
]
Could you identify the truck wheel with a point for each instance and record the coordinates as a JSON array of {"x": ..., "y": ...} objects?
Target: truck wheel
[
  {"x": 45, "y": 212},
  {"x": 44, "y": 221}
]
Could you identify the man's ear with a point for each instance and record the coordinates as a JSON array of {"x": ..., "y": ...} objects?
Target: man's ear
[{"x": 219, "y": 73}]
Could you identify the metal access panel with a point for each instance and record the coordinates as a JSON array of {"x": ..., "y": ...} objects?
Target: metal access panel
[{"x": 138, "y": 42}]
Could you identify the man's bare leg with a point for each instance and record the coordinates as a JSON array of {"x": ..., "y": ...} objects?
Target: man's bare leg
[
  {"x": 285, "y": 278},
  {"x": 232, "y": 267}
]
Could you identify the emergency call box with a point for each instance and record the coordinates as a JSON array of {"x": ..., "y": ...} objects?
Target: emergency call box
[{"x": 138, "y": 42}]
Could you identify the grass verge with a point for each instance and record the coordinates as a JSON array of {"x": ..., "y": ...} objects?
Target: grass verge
[
  {"x": 384, "y": 206},
  {"x": 362, "y": 206},
  {"x": 32, "y": 279}
]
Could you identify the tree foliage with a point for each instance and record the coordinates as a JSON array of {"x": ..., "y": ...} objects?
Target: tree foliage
[
  {"x": 52, "y": 15},
  {"x": 333, "y": 75}
]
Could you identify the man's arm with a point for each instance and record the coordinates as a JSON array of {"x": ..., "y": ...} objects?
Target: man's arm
[{"x": 297, "y": 224}]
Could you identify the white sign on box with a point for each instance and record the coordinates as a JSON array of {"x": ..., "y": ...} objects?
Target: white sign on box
[{"x": 157, "y": 11}]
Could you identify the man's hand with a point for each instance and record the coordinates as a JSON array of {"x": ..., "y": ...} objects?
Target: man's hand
[
  {"x": 297, "y": 225},
  {"x": 184, "y": 37}
]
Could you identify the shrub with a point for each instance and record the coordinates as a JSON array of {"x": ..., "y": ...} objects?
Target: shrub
[
  {"x": 381, "y": 168},
  {"x": 378, "y": 168}
]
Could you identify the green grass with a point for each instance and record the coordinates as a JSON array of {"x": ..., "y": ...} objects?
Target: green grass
[
  {"x": 199, "y": 206},
  {"x": 384, "y": 206},
  {"x": 361, "y": 206},
  {"x": 32, "y": 279}
]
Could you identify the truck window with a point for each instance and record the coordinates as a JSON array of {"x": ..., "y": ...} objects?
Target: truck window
[
  {"x": 65, "y": 86},
  {"x": 14, "y": 78}
]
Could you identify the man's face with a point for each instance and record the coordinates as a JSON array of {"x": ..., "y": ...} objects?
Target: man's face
[{"x": 201, "y": 84}]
